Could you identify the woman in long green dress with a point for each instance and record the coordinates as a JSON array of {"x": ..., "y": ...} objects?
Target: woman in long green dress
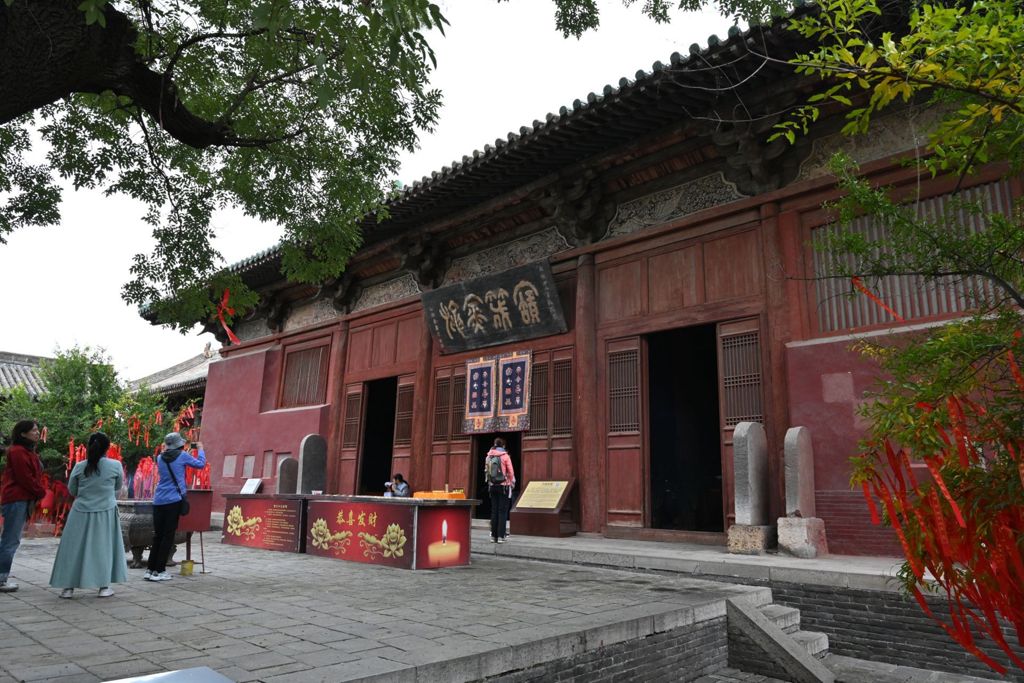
[{"x": 91, "y": 552}]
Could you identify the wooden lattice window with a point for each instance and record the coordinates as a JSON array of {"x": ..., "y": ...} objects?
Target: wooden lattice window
[
  {"x": 458, "y": 408},
  {"x": 442, "y": 408},
  {"x": 911, "y": 296},
  {"x": 539, "y": 400},
  {"x": 741, "y": 378},
  {"x": 305, "y": 377},
  {"x": 561, "y": 397},
  {"x": 353, "y": 412},
  {"x": 403, "y": 416},
  {"x": 624, "y": 391}
]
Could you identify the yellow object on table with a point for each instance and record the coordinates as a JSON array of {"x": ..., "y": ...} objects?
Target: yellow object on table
[{"x": 457, "y": 494}]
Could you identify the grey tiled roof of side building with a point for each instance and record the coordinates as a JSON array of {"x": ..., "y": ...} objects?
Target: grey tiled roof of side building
[
  {"x": 19, "y": 369},
  {"x": 188, "y": 374}
]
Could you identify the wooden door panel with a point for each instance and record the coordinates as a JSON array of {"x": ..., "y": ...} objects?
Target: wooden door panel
[
  {"x": 460, "y": 466},
  {"x": 620, "y": 291},
  {"x": 674, "y": 280},
  {"x": 360, "y": 349},
  {"x": 347, "y": 477},
  {"x": 740, "y": 383},
  {"x": 535, "y": 465},
  {"x": 625, "y": 487},
  {"x": 384, "y": 342},
  {"x": 562, "y": 465},
  {"x": 733, "y": 266},
  {"x": 438, "y": 471}
]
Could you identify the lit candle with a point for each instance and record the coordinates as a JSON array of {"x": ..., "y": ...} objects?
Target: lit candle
[{"x": 444, "y": 531}]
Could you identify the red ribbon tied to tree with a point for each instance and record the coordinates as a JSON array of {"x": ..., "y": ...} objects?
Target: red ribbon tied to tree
[
  {"x": 223, "y": 307},
  {"x": 859, "y": 284}
]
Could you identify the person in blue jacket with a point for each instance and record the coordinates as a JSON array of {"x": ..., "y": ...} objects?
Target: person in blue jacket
[{"x": 170, "y": 490}]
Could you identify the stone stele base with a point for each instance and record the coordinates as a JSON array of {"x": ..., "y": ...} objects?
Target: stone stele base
[
  {"x": 803, "y": 536},
  {"x": 746, "y": 539}
]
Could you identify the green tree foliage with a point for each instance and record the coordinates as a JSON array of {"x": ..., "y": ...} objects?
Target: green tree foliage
[
  {"x": 82, "y": 392},
  {"x": 292, "y": 111},
  {"x": 952, "y": 397}
]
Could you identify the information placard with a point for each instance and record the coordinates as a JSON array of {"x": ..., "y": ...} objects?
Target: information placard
[
  {"x": 264, "y": 522},
  {"x": 542, "y": 495}
]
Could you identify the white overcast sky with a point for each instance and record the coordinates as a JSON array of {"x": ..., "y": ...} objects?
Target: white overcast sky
[{"x": 501, "y": 66}]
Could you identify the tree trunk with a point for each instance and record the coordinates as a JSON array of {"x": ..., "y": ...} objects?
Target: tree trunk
[{"x": 48, "y": 53}]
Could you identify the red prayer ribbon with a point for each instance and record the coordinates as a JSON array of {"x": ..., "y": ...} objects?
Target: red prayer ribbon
[
  {"x": 859, "y": 284},
  {"x": 223, "y": 307}
]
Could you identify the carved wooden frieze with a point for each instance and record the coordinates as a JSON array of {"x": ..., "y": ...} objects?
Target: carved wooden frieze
[
  {"x": 899, "y": 132},
  {"x": 311, "y": 313},
  {"x": 536, "y": 247},
  {"x": 387, "y": 292},
  {"x": 675, "y": 202}
]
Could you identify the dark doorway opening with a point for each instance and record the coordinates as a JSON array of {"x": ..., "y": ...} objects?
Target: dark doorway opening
[
  {"x": 378, "y": 436},
  {"x": 481, "y": 444},
  {"x": 685, "y": 441}
]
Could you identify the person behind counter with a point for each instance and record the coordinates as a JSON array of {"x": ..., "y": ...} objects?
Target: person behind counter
[{"x": 400, "y": 487}]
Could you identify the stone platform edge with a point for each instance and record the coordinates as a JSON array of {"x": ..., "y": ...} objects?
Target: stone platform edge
[
  {"x": 745, "y": 570},
  {"x": 522, "y": 656}
]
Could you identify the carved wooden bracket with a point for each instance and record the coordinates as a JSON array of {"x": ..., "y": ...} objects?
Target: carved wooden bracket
[
  {"x": 343, "y": 292},
  {"x": 424, "y": 256},
  {"x": 578, "y": 207}
]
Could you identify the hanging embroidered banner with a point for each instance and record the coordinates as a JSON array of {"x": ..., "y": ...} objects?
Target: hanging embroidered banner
[
  {"x": 498, "y": 394},
  {"x": 480, "y": 389},
  {"x": 510, "y": 306}
]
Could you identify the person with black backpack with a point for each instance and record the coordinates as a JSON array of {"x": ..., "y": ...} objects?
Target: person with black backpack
[{"x": 501, "y": 479}]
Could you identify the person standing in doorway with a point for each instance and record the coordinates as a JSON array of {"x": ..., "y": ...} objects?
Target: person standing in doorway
[
  {"x": 170, "y": 490},
  {"x": 501, "y": 479},
  {"x": 20, "y": 488},
  {"x": 91, "y": 552}
]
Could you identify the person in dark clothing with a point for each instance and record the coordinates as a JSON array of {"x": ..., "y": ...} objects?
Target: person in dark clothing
[
  {"x": 501, "y": 479},
  {"x": 170, "y": 490},
  {"x": 20, "y": 488}
]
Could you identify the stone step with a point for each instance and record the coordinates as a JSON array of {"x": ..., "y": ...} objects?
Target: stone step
[
  {"x": 814, "y": 642},
  {"x": 786, "y": 618}
]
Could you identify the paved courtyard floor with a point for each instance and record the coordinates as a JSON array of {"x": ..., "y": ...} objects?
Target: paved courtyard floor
[{"x": 280, "y": 617}]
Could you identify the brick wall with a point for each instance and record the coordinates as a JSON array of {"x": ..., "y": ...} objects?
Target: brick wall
[
  {"x": 849, "y": 528},
  {"x": 886, "y": 627},
  {"x": 681, "y": 654},
  {"x": 748, "y": 656}
]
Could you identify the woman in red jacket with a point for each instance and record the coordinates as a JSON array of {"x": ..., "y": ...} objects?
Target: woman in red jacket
[{"x": 20, "y": 486}]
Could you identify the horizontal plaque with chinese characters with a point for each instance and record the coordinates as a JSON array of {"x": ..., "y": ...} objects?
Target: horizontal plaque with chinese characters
[{"x": 513, "y": 305}]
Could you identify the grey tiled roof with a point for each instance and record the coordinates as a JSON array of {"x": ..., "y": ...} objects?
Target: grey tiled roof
[
  {"x": 21, "y": 369},
  {"x": 185, "y": 376},
  {"x": 414, "y": 201}
]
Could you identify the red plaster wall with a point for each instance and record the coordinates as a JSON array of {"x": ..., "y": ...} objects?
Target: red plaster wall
[
  {"x": 237, "y": 388},
  {"x": 826, "y": 382}
]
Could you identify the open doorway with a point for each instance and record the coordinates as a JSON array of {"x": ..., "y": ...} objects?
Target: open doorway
[
  {"x": 378, "y": 436},
  {"x": 481, "y": 444},
  {"x": 685, "y": 442}
]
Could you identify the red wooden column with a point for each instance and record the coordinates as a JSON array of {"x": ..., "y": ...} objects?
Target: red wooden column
[
  {"x": 419, "y": 468},
  {"x": 587, "y": 439},
  {"x": 336, "y": 393},
  {"x": 777, "y": 333}
]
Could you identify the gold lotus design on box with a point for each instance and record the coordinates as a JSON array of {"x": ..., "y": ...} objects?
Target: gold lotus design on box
[
  {"x": 240, "y": 526},
  {"x": 391, "y": 544},
  {"x": 324, "y": 539}
]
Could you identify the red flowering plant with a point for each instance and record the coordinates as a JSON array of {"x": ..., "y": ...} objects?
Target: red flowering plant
[
  {"x": 943, "y": 463},
  {"x": 945, "y": 460}
]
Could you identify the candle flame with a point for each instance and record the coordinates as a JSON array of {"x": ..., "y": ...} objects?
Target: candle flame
[{"x": 444, "y": 531}]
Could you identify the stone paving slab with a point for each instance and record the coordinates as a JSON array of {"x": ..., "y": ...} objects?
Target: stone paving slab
[{"x": 281, "y": 617}]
